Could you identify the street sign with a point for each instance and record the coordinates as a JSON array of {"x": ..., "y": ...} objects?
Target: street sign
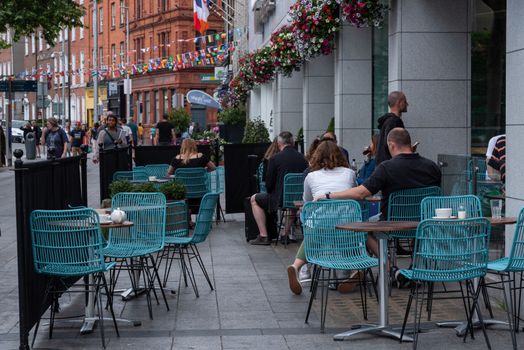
[
  {"x": 19, "y": 85},
  {"x": 201, "y": 98}
]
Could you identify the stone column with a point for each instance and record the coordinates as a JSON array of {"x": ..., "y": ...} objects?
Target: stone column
[
  {"x": 514, "y": 108},
  {"x": 288, "y": 107},
  {"x": 353, "y": 92},
  {"x": 429, "y": 59},
  {"x": 318, "y": 96}
]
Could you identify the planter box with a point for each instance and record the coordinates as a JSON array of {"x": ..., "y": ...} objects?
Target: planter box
[{"x": 232, "y": 133}]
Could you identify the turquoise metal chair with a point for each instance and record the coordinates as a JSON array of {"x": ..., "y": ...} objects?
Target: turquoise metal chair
[
  {"x": 196, "y": 180},
  {"x": 470, "y": 203},
  {"x": 364, "y": 208},
  {"x": 66, "y": 244},
  {"x": 508, "y": 268},
  {"x": 293, "y": 191},
  {"x": 185, "y": 248},
  {"x": 158, "y": 170},
  {"x": 261, "y": 180},
  {"x": 217, "y": 186},
  {"x": 134, "y": 175},
  {"x": 448, "y": 251},
  {"x": 331, "y": 249},
  {"x": 404, "y": 205},
  {"x": 133, "y": 247}
]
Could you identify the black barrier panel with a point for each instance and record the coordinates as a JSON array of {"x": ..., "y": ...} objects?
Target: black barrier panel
[
  {"x": 111, "y": 161},
  {"x": 48, "y": 184},
  {"x": 145, "y": 155},
  {"x": 237, "y": 173}
]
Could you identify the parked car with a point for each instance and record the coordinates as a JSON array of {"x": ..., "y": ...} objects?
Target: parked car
[{"x": 17, "y": 135}]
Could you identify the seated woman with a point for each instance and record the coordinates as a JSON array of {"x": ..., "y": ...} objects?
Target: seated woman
[
  {"x": 329, "y": 172},
  {"x": 189, "y": 157}
]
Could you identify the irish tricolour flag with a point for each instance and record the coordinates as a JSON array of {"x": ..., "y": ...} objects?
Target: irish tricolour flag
[{"x": 200, "y": 15}]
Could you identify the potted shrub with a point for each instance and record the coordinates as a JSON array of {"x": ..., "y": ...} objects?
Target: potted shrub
[
  {"x": 180, "y": 118},
  {"x": 256, "y": 132},
  {"x": 233, "y": 122},
  {"x": 120, "y": 186}
]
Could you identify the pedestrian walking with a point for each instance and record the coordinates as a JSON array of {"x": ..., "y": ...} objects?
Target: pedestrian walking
[{"x": 55, "y": 138}]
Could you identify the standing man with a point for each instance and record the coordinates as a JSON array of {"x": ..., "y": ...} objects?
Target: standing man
[
  {"x": 134, "y": 131},
  {"x": 165, "y": 132},
  {"x": 127, "y": 130},
  {"x": 288, "y": 160},
  {"x": 397, "y": 105},
  {"x": 77, "y": 138},
  {"x": 55, "y": 138},
  {"x": 38, "y": 135}
]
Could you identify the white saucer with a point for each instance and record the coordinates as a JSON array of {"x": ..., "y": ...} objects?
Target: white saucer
[{"x": 443, "y": 218}]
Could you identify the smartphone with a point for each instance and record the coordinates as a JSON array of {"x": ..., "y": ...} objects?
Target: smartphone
[{"x": 416, "y": 144}]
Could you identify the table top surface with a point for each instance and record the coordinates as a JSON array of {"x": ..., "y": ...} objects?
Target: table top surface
[
  {"x": 115, "y": 225},
  {"x": 390, "y": 226}
]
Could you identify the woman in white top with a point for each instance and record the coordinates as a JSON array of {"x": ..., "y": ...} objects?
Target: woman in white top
[{"x": 329, "y": 172}]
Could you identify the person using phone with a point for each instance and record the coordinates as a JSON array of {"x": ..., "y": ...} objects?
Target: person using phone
[{"x": 110, "y": 137}]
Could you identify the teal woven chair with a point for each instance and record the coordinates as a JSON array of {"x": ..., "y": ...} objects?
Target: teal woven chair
[
  {"x": 134, "y": 175},
  {"x": 404, "y": 205},
  {"x": 331, "y": 249},
  {"x": 508, "y": 268},
  {"x": 66, "y": 244},
  {"x": 133, "y": 247},
  {"x": 293, "y": 191},
  {"x": 448, "y": 251},
  {"x": 158, "y": 170},
  {"x": 217, "y": 186},
  {"x": 185, "y": 248},
  {"x": 261, "y": 180},
  {"x": 196, "y": 180},
  {"x": 470, "y": 203}
]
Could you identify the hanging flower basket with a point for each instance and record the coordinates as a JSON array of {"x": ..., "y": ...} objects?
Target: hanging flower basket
[
  {"x": 364, "y": 13},
  {"x": 285, "y": 56},
  {"x": 314, "y": 25},
  {"x": 262, "y": 66}
]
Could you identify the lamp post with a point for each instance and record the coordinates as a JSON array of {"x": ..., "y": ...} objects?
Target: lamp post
[
  {"x": 127, "y": 83},
  {"x": 95, "y": 62}
]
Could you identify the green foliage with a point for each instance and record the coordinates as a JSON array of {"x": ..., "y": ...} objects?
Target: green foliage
[
  {"x": 120, "y": 186},
  {"x": 173, "y": 190},
  {"x": 25, "y": 17},
  {"x": 300, "y": 135},
  {"x": 144, "y": 187},
  {"x": 331, "y": 126},
  {"x": 232, "y": 116},
  {"x": 180, "y": 118},
  {"x": 255, "y": 132}
]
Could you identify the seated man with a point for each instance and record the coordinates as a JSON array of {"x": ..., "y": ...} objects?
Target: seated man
[
  {"x": 288, "y": 160},
  {"x": 404, "y": 170}
]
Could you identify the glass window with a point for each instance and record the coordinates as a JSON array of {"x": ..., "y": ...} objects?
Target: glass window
[
  {"x": 113, "y": 53},
  {"x": 73, "y": 68},
  {"x": 122, "y": 52},
  {"x": 113, "y": 15},
  {"x": 40, "y": 41},
  {"x": 33, "y": 43},
  {"x": 101, "y": 17},
  {"x": 138, "y": 9},
  {"x": 147, "y": 109},
  {"x": 122, "y": 13},
  {"x": 82, "y": 28},
  {"x": 166, "y": 101},
  {"x": 157, "y": 106},
  {"x": 101, "y": 56},
  {"x": 73, "y": 34},
  {"x": 82, "y": 67}
]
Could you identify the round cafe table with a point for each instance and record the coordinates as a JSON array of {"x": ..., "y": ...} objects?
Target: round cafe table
[{"x": 382, "y": 227}]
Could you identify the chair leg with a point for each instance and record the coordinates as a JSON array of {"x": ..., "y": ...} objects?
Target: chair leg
[
  {"x": 429, "y": 305},
  {"x": 324, "y": 299},
  {"x": 42, "y": 309},
  {"x": 476, "y": 307},
  {"x": 313, "y": 287},
  {"x": 98, "y": 296},
  {"x": 408, "y": 308},
  {"x": 517, "y": 325},
  {"x": 363, "y": 295},
  {"x": 52, "y": 313},
  {"x": 510, "y": 310},
  {"x": 416, "y": 324},
  {"x": 189, "y": 269},
  {"x": 485, "y": 297},
  {"x": 467, "y": 306},
  {"x": 196, "y": 253},
  {"x": 110, "y": 302},
  {"x": 155, "y": 271}
]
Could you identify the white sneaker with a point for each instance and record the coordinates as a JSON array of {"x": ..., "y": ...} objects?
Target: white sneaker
[{"x": 304, "y": 273}]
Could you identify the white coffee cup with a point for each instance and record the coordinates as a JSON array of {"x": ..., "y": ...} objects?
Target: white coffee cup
[{"x": 443, "y": 213}]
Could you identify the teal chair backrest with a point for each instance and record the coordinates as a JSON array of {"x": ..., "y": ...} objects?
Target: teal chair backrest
[
  {"x": 293, "y": 189},
  {"x": 67, "y": 242},
  {"x": 516, "y": 256},
  {"x": 322, "y": 241},
  {"x": 204, "y": 218},
  {"x": 217, "y": 180},
  {"x": 147, "y": 211},
  {"x": 451, "y": 250},
  {"x": 196, "y": 180},
  {"x": 470, "y": 203},
  {"x": 260, "y": 177},
  {"x": 176, "y": 219},
  {"x": 158, "y": 170},
  {"x": 137, "y": 175},
  {"x": 404, "y": 205}
]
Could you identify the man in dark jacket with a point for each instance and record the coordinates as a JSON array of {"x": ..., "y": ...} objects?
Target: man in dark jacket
[
  {"x": 397, "y": 105},
  {"x": 288, "y": 160}
]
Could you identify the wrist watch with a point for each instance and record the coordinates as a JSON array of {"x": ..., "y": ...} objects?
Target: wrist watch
[{"x": 328, "y": 195}]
